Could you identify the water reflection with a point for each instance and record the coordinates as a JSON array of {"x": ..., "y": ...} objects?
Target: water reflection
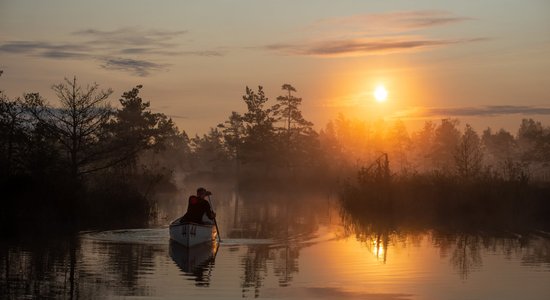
[
  {"x": 197, "y": 261},
  {"x": 465, "y": 249},
  {"x": 462, "y": 249},
  {"x": 272, "y": 246},
  {"x": 27, "y": 270},
  {"x": 256, "y": 263},
  {"x": 123, "y": 265},
  {"x": 289, "y": 220},
  {"x": 274, "y": 216}
]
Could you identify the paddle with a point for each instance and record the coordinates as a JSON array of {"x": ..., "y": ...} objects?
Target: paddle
[{"x": 215, "y": 222}]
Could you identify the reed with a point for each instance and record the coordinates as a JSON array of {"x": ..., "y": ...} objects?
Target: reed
[{"x": 443, "y": 199}]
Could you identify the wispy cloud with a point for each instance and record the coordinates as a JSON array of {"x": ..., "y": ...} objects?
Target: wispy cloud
[
  {"x": 130, "y": 36},
  {"x": 493, "y": 110},
  {"x": 134, "y": 66},
  {"x": 130, "y": 41},
  {"x": 39, "y": 46},
  {"x": 481, "y": 111},
  {"x": 372, "y": 34},
  {"x": 139, "y": 52},
  {"x": 386, "y": 23},
  {"x": 202, "y": 53},
  {"x": 62, "y": 54},
  {"x": 360, "y": 47}
]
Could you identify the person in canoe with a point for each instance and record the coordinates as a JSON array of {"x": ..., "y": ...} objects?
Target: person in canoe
[{"x": 199, "y": 209}]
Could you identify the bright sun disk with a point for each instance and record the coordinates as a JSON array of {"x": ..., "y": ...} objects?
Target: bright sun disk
[{"x": 380, "y": 93}]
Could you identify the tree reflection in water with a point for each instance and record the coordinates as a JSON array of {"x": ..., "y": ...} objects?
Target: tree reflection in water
[
  {"x": 465, "y": 256},
  {"x": 283, "y": 259},
  {"x": 76, "y": 267},
  {"x": 254, "y": 265},
  {"x": 125, "y": 264},
  {"x": 69, "y": 267},
  {"x": 46, "y": 268},
  {"x": 289, "y": 221},
  {"x": 462, "y": 247}
]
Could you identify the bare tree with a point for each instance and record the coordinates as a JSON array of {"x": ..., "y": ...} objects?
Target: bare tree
[
  {"x": 78, "y": 123},
  {"x": 13, "y": 131}
]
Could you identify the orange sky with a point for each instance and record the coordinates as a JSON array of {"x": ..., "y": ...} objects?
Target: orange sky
[{"x": 487, "y": 63}]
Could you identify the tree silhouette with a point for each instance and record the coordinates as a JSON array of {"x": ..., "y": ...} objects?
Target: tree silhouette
[
  {"x": 77, "y": 124},
  {"x": 14, "y": 134},
  {"x": 298, "y": 137},
  {"x": 468, "y": 154},
  {"x": 209, "y": 152},
  {"x": 534, "y": 141},
  {"x": 499, "y": 146},
  {"x": 287, "y": 110},
  {"x": 233, "y": 133},
  {"x": 400, "y": 144},
  {"x": 446, "y": 140},
  {"x": 135, "y": 128},
  {"x": 258, "y": 123}
]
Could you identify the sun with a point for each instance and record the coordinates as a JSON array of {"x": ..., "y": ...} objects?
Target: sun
[{"x": 380, "y": 93}]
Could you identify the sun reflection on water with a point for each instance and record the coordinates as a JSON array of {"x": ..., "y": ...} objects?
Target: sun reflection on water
[{"x": 378, "y": 250}]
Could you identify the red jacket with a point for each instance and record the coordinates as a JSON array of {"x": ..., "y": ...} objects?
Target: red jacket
[{"x": 196, "y": 208}]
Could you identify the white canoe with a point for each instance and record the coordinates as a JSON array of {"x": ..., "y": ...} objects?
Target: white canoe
[{"x": 192, "y": 234}]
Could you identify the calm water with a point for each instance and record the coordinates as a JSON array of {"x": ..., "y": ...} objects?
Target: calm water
[{"x": 283, "y": 250}]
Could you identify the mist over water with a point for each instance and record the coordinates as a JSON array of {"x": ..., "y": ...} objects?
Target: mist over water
[{"x": 299, "y": 245}]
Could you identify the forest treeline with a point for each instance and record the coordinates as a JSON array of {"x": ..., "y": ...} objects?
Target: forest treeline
[
  {"x": 85, "y": 162},
  {"x": 444, "y": 177}
]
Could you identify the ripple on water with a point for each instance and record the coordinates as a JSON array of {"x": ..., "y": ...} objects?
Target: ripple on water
[
  {"x": 155, "y": 236},
  {"x": 235, "y": 242},
  {"x": 160, "y": 236},
  {"x": 152, "y": 236}
]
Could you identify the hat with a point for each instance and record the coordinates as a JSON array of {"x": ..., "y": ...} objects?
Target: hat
[{"x": 201, "y": 190}]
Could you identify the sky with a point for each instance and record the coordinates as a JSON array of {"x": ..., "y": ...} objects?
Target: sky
[{"x": 484, "y": 62}]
